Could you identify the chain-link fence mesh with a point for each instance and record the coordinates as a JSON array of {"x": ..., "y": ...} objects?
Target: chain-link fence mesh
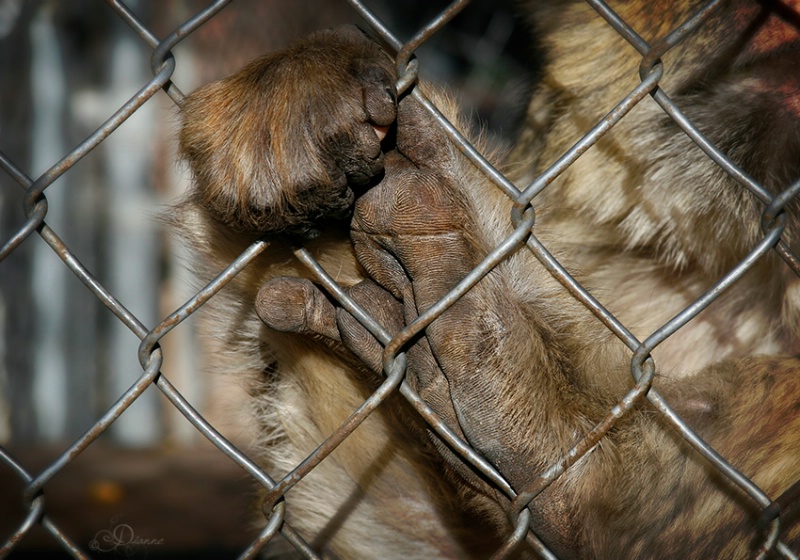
[{"x": 35, "y": 196}]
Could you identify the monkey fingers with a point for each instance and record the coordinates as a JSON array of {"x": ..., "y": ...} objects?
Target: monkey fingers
[
  {"x": 389, "y": 312},
  {"x": 425, "y": 375},
  {"x": 296, "y": 305},
  {"x": 416, "y": 198},
  {"x": 414, "y": 234}
]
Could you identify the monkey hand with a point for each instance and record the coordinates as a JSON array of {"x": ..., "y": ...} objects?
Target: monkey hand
[
  {"x": 278, "y": 146},
  {"x": 415, "y": 235}
]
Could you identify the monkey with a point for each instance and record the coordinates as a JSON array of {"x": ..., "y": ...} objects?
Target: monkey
[{"x": 313, "y": 146}]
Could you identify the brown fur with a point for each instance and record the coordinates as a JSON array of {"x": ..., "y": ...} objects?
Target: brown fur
[{"x": 516, "y": 367}]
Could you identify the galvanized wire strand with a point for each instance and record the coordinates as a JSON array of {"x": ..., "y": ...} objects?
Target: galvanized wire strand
[
  {"x": 588, "y": 442},
  {"x": 426, "y": 32},
  {"x": 643, "y": 349},
  {"x": 384, "y": 337},
  {"x": 161, "y": 49},
  {"x": 651, "y": 56},
  {"x": 500, "y": 253},
  {"x": 453, "y": 440},
  {"x": 650, "y": 62},
  {"x": 676, "y": 36},
  {"x": 772, "y": 240},
  {"x": 669, "y": 328},
  {"x": 274, "y": 522},
  {"x": 67, "y": 544},
  {"x": 594, "y": 436},
  {"x": 715, "y": 154},
  {"x": 512, "y": 543},
  {"x": 33, "y": 491},
  {"x": 36, "y": 515},
  {"x": 36, "y": 507},
  {"x": 771, "y": 211},
  {"x": 465, "y": 146},
  {"x": 650, "y": 80},
  {"x": 114, "y": 412},
  {"x": 147, "y": 348},
  {"x": 408, "y": 72},
  {"x": 36, "y": 216},
  {"x": 74, "y": 265},
  {"x": 34, "y": 221},
  {"x": 101, "y": 133},
  {"x": 162, "y": 53},
  {"x": 34, "y": 193},
  {"x": 395, "y": 373},
  {"x": 647, "y": 86},
  {"x": 127, "y": 16},
  {"x": 150, "y": 354},
  {"x": 620, "y": 25},
  {"x": 457, "y": 444},
  {"x": 785, "y": 551},
  {"x": 703, "y": 301},
  {"x": 377, "y": 25},
  {"x": 150, "y": 339},
  {"x": 237, "y": 456}
]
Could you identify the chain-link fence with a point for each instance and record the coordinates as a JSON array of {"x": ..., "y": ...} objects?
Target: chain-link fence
[{"x": 38, "y": 193}]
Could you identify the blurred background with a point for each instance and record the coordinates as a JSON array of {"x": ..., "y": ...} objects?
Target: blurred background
[{"x": 65, "y": 67}]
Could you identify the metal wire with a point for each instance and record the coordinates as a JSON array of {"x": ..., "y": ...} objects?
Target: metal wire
[{"x": 34, "y": 203}]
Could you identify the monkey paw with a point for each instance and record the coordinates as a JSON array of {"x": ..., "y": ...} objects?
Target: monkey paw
[
  {"x": 278, "y": 146},
  {"x": 416, "y": 235}
]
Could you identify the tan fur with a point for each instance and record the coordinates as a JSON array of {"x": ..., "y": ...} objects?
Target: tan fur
[{"x": 517, "y": 367}]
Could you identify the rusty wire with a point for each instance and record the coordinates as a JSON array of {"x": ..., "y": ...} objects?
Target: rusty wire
[{"x": 35, "y": 206}]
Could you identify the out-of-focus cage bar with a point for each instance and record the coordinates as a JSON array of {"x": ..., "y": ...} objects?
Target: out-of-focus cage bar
[{"x": 36, "y": 195}]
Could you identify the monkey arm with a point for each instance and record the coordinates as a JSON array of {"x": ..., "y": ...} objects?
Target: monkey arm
[{"x": 512, "y": 379}]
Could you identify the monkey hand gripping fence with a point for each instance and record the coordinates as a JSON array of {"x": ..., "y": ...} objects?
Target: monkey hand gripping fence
[{"x": 524, "y": 238}]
